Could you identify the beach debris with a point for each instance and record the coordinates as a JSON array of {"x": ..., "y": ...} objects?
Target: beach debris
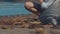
[
  {"x": 35, "y": 22},
  {"x": 4, "y": 27},
  {"x": 22, "y": 20},
  {"x": 40, "y": 30},
  {"x": 17, "y": 23},
  {"x": 25, "y": 25}
]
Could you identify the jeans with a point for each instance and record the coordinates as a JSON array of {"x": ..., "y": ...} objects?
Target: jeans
[{"x": 49, "y": 19}]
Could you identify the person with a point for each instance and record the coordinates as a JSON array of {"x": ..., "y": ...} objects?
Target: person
[
  {"x": 47, "y": 10},
  {"x": 36, "y": 7}
]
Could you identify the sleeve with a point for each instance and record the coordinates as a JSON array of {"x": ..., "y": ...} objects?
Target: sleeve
[{"x": 47, "y": 4}]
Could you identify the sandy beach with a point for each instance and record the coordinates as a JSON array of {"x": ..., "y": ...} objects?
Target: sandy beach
[
  {"x": 5, "y": 21},
  {"x": 24, "y": 24}
]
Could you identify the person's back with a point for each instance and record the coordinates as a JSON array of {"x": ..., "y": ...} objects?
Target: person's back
[
  {"x": 53, "y": 9},
  {"x": 46, "y": 10},
  {"x": 52, "y": 14}
]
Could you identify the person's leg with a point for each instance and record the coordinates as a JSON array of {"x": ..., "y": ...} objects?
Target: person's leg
[
  {"x": 58, "y": 20},
  {"x": 48, "y": 19},
  {"x": 44, "y": 19},
  {"x": 30, "y": 6}
]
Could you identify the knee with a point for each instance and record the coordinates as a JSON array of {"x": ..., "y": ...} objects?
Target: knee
[{"x": 29, "y": 5}]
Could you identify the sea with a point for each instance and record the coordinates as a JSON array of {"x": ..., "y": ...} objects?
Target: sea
[{"x": 12, "y": 8}]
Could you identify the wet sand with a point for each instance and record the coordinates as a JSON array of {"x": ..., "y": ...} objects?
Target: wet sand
[{"x": 17, "y": 31}]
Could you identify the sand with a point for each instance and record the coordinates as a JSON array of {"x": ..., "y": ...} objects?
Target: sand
[{"x": 17, "y": 31}]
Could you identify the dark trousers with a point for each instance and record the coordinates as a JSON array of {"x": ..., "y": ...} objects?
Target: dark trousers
[{"x": 49, "y": 19}]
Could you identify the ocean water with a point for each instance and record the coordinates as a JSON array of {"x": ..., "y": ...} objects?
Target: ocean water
[{"x": 10, "y": 8}]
